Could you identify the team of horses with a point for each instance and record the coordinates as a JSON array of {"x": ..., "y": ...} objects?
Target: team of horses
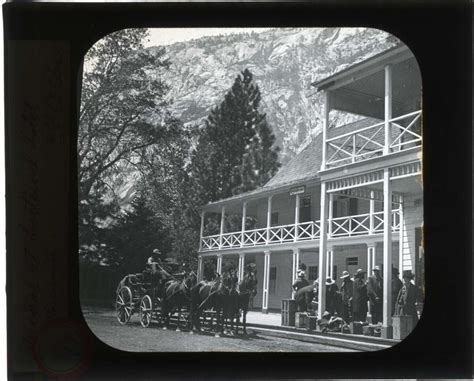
[{"x": 226, "y": 297}]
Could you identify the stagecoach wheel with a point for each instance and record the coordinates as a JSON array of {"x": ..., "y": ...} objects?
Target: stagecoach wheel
[
  {"x": 124, "y": 305},
  {"x": 145, "y": 311}
]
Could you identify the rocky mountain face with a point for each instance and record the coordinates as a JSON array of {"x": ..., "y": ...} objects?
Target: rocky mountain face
[{"x": 284, "y": 63}]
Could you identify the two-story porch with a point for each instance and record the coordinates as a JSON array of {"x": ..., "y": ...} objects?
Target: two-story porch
[{"x": 351, "y": 199}]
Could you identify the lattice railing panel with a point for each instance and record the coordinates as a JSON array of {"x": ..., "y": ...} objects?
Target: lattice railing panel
[{"x": 368, "y": 142}]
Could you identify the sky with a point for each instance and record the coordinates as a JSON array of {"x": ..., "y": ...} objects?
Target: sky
[{"x": 168, "y": 36}]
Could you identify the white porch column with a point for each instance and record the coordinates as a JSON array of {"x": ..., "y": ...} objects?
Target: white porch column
[
  {"x": 388, "y": 108},
  {"x": 201, "y": 232},
  {"x": 222, "y": 226},
  {"x": 296, "y": 261},
  {"x": 370, "y": 257},
  {"x": 370, "y": 263},
  {"x": 387, "y": 255},
  {"x": 322, "y": 252},
  {"x": 329, "y": 262},
  {"x": 269, "y": 217},
  {"x": 297, "y": 215},
  {"x": 199, "y": 269},
  {"x": 219, "y": 264},
  {"x": 400, "y": 237},
  {"x": 266, "y": 281},
  {"x": 325, "y": 127},
  {"x": 330, "y": 213},
  {"x": 244, "y": 218},
  {"x": 240, "y": 274},
  {"x": 371, "y": 212}
]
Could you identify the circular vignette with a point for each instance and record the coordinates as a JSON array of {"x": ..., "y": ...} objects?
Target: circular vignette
[{"x": 63, "y": 348}]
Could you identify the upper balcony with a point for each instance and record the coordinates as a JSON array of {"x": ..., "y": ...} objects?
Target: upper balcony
[
  {"x": 382, "y": 96},
  {"x": 341, "y": 227}
]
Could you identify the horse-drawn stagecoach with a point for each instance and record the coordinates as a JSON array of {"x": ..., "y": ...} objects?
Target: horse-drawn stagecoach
[
  {"x": 142, "y": 293},
  {"x": 159, "y": 291}
]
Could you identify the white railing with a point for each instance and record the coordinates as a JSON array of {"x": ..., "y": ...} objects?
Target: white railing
[
  {"x": 368, "y": 142},
  {"x": 361, "y": 224}
]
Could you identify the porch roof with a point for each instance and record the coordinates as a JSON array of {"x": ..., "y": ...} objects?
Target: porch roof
[
  {"x": 364, "y": 68},
  {"x": 360, "y": 88},
  {"x": 302, "y": 169}
]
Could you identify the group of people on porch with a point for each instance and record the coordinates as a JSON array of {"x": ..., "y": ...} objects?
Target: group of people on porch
[{"x": 356, "y": 295}]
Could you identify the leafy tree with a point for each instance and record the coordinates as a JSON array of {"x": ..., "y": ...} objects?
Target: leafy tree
[
  {"x": 122, "y": 111},
  {"x": 124, "y": 129}
]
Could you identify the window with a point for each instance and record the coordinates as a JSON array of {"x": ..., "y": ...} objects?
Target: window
[
  {"x": 274, "y": 219},
  {"x": 345, "y": 206},
  {"x": 305, "y": 209},
  {"x": 352, "y": 261},
  {"x": 312, "y": 273},
  {"x": 273, "y": 276}
]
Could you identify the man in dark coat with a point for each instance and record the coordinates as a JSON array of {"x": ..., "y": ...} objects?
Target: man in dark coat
[
  {"x": 406, "y": 301},
  {"x": 359, "y": 297},
  {"x": 304, "y": 296},
  {"x": 396, "y": 287},
  {"x": 300, "y": 282},
  {"x": 375, "y": 294},
  {"x": 332, "y": 296},
  {"x": 346, "y": 295}
]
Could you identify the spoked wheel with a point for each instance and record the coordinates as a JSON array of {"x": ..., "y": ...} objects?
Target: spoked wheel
[
  {"x": 146, "y": 307},
  {"x": 124, "y": 305}
]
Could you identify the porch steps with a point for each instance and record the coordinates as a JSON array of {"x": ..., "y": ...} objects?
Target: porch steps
[{"x": 356, "y": 342}]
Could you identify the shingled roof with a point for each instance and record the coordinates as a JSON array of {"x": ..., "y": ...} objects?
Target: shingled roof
[{"x": 304, "y": 165}]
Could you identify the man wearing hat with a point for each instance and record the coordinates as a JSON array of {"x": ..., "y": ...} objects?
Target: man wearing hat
[
  {"x": 331, "y": 295},
  {"x": 375, "y": 294},
  {"x": 301, "y": 281},
  {"x": 396, "y": 287},
  {"x": 359, "y": 297},
  {"x": 406, "y": 301},
  {"x": 346, "y": 294},
  {"x": 154, "y": 260}
]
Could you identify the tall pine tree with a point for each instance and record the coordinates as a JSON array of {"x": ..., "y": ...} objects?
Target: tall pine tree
[{"x": 235, "y": 152}]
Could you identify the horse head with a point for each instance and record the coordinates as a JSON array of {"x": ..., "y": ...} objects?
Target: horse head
[{"x": 190, "y": 280}]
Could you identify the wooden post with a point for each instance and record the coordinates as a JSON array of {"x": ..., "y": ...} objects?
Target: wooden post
[
  {"x": 400, "y": 237},
  {"x": 370, "y": 263},
  {"x": 325, "y": 128},
  {"x": 269, "y": 217},
  {"x": 387, "y": 255},
  {"x": 222, "y": 226},
  {"x": 330, "y": 214},
  {"x": 244, "y": 218},
  {"x": 266, "y": 281},
  {"x": 329, "y": 263},
  {"x": 201, "y": 233},
  {"x": 200, "y": 269},
  {"x": 388, "y": 108},
  {"x": 296, "y": 262},
  {"x": 219, "y": 264},
  {"x": 322, "y": 252},
  {"x": 241, "y": 266},
  {"x": 371, "y": 212},
  {"x": 370, "y": 257},
  {"x": 297, "y": 215}
]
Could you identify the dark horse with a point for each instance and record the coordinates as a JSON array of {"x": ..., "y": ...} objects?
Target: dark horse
[
  {"x": 177, "y": 294},
  {"x": 210, "y": 295},
  {"x": 239, "y": 300}
]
